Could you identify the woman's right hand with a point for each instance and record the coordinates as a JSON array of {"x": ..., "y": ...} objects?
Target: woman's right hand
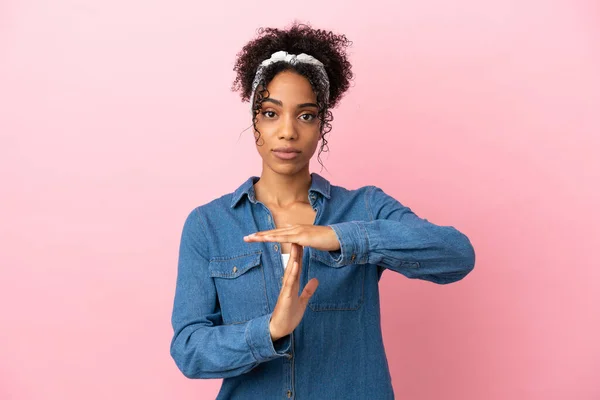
[{"x": 290, "y": 307}]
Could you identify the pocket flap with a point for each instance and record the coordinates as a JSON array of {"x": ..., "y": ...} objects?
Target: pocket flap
[
  {"x": 232, "y": 267},
  {"x": 322, "y": 256}
]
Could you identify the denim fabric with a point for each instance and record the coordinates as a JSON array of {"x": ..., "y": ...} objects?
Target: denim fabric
[{"x": 226, "y": 291}]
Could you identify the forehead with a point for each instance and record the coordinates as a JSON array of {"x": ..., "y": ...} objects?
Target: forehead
[{"x": 291, "y": 87}]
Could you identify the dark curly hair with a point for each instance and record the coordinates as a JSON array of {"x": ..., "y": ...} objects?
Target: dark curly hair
[{"x": 325, "y": 46}]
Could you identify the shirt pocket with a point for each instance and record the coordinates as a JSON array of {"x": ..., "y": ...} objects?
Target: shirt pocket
[
  {"x": 241, "y": 288},
  {"x": 340, "y": 288}
]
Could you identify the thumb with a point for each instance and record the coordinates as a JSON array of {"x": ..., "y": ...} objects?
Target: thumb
[{"x": 308, "y": 291}]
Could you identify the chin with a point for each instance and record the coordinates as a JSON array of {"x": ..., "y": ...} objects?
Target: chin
[{"x": 290, "y": 168}]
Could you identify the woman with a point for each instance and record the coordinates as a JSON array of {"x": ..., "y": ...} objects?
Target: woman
[{"x": 277, "y": 284}]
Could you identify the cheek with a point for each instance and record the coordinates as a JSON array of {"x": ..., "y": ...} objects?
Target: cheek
[
  {"x": 314, "y": 142},
  {"x": 264, "y": 126},
  {"x": 315, "y": 145},
  {"x": 263, "y": 133}
]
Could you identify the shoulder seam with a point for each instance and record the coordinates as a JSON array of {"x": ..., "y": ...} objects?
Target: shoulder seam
[{"x": 203, "y": 230}]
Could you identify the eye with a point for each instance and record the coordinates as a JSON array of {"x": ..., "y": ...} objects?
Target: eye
[
  {"x": 271, "y": 114},
  {"x": 312, "y": 116}
]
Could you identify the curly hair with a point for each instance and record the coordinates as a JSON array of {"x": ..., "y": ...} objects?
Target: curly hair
[{"x": 325, "y": 46}]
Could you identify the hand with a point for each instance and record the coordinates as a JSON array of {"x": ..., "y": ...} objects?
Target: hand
[
  {"x": 319, "y": 237},
  {"x": 290, "y": 307}
]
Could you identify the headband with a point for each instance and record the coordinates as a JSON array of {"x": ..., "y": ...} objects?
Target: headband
[{"x": 323, "y": 80}]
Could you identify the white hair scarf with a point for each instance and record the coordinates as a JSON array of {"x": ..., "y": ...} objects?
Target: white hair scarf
[{"x": 291, "y": 59}]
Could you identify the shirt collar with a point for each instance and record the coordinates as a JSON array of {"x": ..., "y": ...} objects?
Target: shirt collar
[{"x": 318, "y": 184}]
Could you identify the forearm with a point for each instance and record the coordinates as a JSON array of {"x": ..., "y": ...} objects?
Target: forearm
[
  {"x": 440, "y": 254},
  {"x": 221, "y": 351}
]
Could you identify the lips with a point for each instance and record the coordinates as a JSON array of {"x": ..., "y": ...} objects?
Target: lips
[
  {"x": 284, "y": 153},
  {"x": 286, "y": 150}
]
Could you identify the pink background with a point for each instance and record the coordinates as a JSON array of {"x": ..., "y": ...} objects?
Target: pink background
[{"x": 116, "y": 119}]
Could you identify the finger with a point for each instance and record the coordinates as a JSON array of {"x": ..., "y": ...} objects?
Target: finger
[
  {"x": 309, "y": 290},
  {"x": 290, "y": 262},
  {"x": 274, "y": 231},
  {"x": 285, "y": 238},
  {"x": 299, "y": 252},
  {"x": 288, "y": 268},
  {"x": 253, "y": 238},
  {"x": 296, "y": 281},
  {"x": 291, "y": 237},
  {"x": 291, "y": 258},
  {"x": 290, "y": 287},
  {"x": 282, "y": 238},
  {"x": 256, "y": 236}
]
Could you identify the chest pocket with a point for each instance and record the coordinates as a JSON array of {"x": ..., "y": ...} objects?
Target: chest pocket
[
  {"x": 340, "y": 288},
  {"x": 241, "y": 287}
]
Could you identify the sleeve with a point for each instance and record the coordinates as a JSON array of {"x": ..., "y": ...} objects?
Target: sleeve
[
  {"x": 397, "y": 239},
  {"x": 202, "y": 346}
]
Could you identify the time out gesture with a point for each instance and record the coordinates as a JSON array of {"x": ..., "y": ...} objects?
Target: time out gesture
[
  {"x": 290, "y": 307},
  {"x": 319, "y": 237}
]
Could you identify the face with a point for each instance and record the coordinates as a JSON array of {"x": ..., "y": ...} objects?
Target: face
[{"x": 288, "y": 120}]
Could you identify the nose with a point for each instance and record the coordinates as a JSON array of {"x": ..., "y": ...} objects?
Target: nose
[{"x": 287, "y": 130}]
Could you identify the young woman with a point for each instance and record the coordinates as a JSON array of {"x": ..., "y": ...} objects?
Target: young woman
[{"x": 277, "y": 282}]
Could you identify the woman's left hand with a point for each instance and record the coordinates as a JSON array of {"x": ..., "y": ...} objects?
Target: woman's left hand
[{"x": 319, "y": 237}]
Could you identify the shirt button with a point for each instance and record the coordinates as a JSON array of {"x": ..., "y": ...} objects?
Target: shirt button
[
  {"x": 234, "y": 269},
  {"x": 289, "y": 356},
  {"x": 353, "y": 257},
  {"x": 289, "y": 393},
  {"x": 276, "y": 247},
  {"x": 269, "y": 217}
]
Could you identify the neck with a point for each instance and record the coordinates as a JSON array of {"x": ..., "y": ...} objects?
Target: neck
[{"x": 282, "y": 190}]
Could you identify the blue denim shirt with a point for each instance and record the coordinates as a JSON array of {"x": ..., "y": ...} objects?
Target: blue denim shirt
[{"x": 226, "y": 291}]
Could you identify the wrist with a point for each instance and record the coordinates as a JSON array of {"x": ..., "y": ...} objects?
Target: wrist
[{"x": 274, "y": 335}]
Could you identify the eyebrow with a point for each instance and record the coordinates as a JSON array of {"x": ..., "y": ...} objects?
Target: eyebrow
[{"x": 279, "y": 103}]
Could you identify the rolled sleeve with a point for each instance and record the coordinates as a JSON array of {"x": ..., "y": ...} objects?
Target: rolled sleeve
[
  {"x": 259, "y": 340},
  {"x": 354, "y": 243}
]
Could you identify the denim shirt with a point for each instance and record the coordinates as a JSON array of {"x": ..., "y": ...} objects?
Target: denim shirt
[{"x": 226, "y": 290}]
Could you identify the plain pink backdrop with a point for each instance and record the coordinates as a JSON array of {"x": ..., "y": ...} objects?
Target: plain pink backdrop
[{"x": 116, "y": 119}]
